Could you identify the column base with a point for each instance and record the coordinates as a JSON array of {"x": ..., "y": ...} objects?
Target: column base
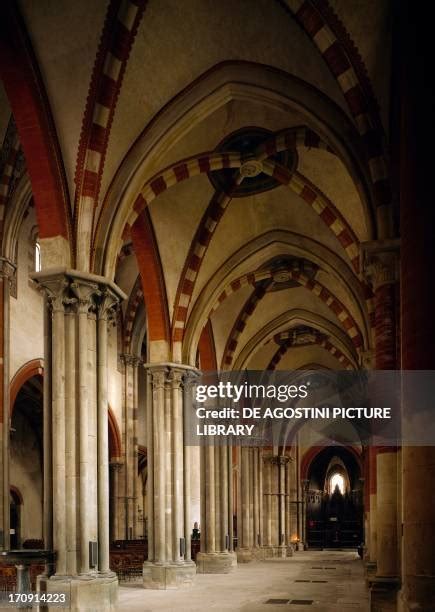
[
  {"x": 383, "y": 593},
  {"x": 168, "y": 575},
  {"x": 245, "y": 555},
  {"x": 216, "y": 563},
  {"x": 370, "y": 569},
  {"x": 276, "y": 552},
  {"x": 417, "y": 594},
  {"x": 88, "y": 593}
]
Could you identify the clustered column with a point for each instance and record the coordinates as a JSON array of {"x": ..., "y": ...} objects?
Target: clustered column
[
  {"x": 127, "y": 480},
  {"x": 216, "y": 555},
  {"x": 76, "y": 462},
  {"x": 169, "y": 564},
  {"x": 275, "y": 492}
]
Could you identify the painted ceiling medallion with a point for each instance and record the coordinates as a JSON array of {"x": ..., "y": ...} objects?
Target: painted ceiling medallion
[{"x": 247, "y": 142}]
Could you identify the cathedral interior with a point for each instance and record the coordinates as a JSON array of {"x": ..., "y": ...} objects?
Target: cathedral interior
[{"x": 210, "y": 186}]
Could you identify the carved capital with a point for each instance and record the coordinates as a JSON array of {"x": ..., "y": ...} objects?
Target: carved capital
[
  {"x": 130, "y": 360},
  {"x": 56, "y": 292},
  {"x": 176, "y": 378},
  {"x": 158, "y": 378},
  {"x": 7, "y": 268},
  {"x": 78, "y": 291},
  {"x": 280, "y": 460},
  {"x": 381, "y": 262},
  {"x": 107, "y": 305},
  {"x": 86, "y": 294}
]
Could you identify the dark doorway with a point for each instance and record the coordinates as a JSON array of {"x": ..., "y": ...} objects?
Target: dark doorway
[
  {"x": 15, "y": 520},
  {"x": 334, "y": 500}
]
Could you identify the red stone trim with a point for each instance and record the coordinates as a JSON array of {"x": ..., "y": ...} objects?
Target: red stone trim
[
  {"x": 26, "y": 93},
  {"x": 207, "y": 349},
  {"x": 119, "y": 31},
  {"x": 340, "y": 311},
  {"x": 247, "y": 310},
  {"x": 153, "y": 283},
  {"x": 340, "y": 54},
  {"x": 324, "y": 343},
  {"x": 115, "y": 445},
  {"x": 300, "y": 136},
  {"x": 29, "y": 369}
]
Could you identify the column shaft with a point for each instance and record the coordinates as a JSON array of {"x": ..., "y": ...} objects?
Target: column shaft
[
  {"x": 83, "y": 438},
  {"x": 58, "y": 385}
]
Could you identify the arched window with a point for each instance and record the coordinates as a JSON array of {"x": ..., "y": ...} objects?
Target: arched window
[
  {"x": 37, "y": 257},
  {"x": 337, "y": 480}
]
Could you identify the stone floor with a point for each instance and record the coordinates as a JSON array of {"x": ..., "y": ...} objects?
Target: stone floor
[{"x": 330, "y": 580}]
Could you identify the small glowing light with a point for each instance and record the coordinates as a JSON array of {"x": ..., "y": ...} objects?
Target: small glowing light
[
  {"x": 37, "y": 257},
  {"x": 337, "y": 480}
]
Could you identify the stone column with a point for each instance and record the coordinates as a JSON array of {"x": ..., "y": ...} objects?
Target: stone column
[
  {"x": 293, "y": 501},
  {"x": 245, "y": 523},
  {"x": 76, "y": 515},
  {"x": 168, "y": 566},
  {"x": 381, "y": 263},
  {"x": 216, "y": 555},
  {"x": 7, "y": 270},
  {"x": 267, "y": 506},
  {"x": 115, "y": 468},
  {"x": 129, "y": 473},
  {"x": 105, "y": 308},
  {"x": 282, "y": 492},
  {"x": 275, "y": 507}
]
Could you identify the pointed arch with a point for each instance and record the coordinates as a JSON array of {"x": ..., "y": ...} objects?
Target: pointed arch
[{"x": 30, "y": 107}]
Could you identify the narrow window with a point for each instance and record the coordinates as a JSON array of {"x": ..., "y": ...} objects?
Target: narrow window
[{"x": 37, "y": 257}]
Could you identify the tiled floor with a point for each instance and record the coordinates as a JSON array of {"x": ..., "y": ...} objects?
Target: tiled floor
[{"x": 332, "y": 581}]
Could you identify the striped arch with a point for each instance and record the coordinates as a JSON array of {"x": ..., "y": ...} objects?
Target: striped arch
[
  {"x": 151, "y": 273},
  {"x": 340, "y": 311},
  {"x": 320, "y": 340},
  {"x": 240, "y": 324},
  {"x": 27, "y": 97},
  {"x": 120, "y": 27},
  {"x": 301, "y": 136},
  {"x": 321, "y": 205},
  {"x": 181, "y": 171},
  {"x": 342, "y": 58},
  {"x": 245, "y": 78},
  {"x": 207, "y": 349},
  {"x": 287, "y": 139},
  {"x": 194, "y": 259}
]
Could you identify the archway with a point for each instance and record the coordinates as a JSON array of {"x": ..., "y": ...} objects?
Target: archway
[
  {"x": 334, "y": 500},
  {"x": 26, "y": 463}
]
